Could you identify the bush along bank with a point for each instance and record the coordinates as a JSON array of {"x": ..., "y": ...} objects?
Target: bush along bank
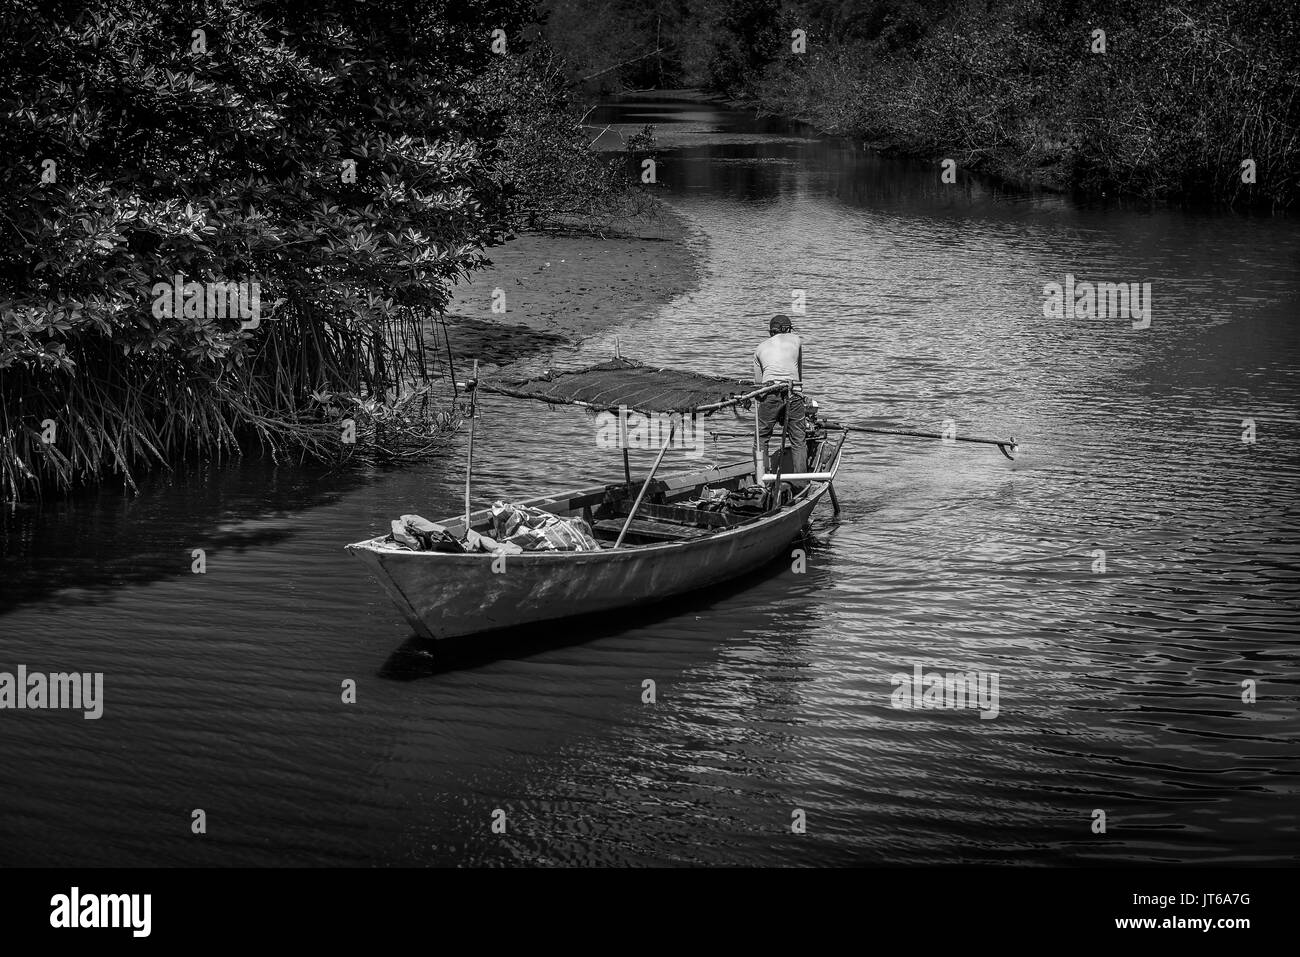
[
  {"x": 1146, "y": 98},
  {"x": 231, "y": 225}
]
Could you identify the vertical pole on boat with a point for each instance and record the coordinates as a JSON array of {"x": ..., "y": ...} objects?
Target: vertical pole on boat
[
  {"x": 622, "y": 422},
  {"x": 622, "y": 439},
  {"x": 469, "y": 460},
  {"x": 646, "y": 485},
  {"x": 760, "y": 466}
]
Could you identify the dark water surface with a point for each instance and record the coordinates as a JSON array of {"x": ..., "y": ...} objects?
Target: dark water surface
[{"x": 1119, "y": 691}]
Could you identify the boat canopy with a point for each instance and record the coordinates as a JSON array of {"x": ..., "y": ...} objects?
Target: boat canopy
[{"x": 621, "y": 382}]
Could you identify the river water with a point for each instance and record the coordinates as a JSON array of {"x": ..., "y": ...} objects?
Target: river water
[{"x": 1120, "y": 691}]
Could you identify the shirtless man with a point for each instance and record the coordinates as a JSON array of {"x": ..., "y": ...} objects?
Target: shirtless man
[{"x": 780, "y": 359}]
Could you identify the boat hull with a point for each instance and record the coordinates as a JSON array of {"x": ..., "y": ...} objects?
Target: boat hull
[{"x": 451, "y": 596}]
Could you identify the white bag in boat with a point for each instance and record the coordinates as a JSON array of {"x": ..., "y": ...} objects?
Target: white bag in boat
[{"x": 533, "y": 529}]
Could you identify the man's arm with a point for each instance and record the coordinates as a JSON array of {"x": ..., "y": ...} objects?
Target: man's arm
[
  {"x": 758, "y": 369},
  {"x": 800, "y": 361}
]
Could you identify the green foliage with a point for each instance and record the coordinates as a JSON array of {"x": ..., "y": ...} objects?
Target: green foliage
[
  {"x": 617, "y": 45},
  {"x": 1180, "y": 97},
  {"x": 550, "y": 173},
  {"x": 748, "y": 36},
  {"x": 227, "y": 164},
  {"x": 1183, "y": 94},
  {"x": 592, "y": 40}
]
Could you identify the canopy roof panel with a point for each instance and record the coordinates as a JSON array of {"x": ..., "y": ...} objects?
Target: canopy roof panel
[{"x": 634, "y": 385}]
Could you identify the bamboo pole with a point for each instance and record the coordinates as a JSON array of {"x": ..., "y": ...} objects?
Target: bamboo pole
[
  {"x": 1002, "y": 444},
  {"x": 622, "y": 423},
  {"x": 923, "y": 435},
  {"x": 604, "y": 407},
  {"x": 622, "y": 438},
  {"x": 469, "y": 460}
]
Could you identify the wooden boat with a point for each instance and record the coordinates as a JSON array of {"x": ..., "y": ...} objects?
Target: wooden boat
[
  {"x": 667, "y": 549},
  {"x": 652, "y": 543},
  {"x": 652, "y": 546}
]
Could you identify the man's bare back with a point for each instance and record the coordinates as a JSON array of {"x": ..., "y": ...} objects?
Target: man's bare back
[{"x": 779, "y": 359}]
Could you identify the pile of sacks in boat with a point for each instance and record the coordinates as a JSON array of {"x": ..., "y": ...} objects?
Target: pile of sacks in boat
[{"x": 516, "y": 528}]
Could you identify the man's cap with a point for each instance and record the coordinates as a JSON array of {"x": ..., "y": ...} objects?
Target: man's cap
[{"x": 779, "y": 324}]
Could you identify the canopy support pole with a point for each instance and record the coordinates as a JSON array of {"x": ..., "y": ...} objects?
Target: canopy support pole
[
  {"x": 622, "y": 437},
  {"x": 646, "y": 485},
  {"x": 469, "y": 460}
]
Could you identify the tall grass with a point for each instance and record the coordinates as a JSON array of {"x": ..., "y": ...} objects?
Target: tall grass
[{"x": 307, "y": 378}]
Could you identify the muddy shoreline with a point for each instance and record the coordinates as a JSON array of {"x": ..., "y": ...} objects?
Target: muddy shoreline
[{"x": 546, "y": 291}]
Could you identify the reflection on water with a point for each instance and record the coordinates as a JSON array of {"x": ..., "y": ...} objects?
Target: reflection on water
[{"x": 1120, "y": 690}]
